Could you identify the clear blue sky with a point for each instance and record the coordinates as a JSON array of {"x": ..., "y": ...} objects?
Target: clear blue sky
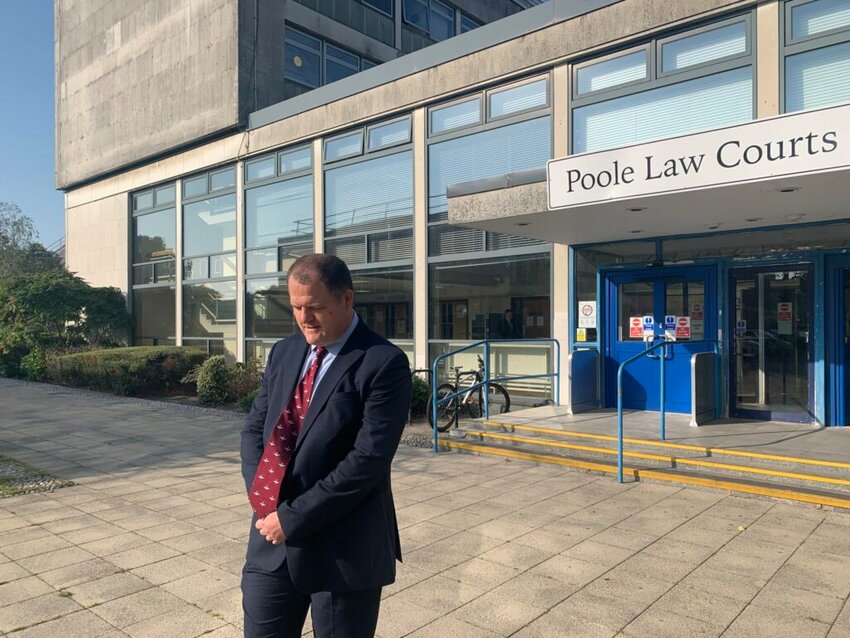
[{"x": 26, "y": 115}]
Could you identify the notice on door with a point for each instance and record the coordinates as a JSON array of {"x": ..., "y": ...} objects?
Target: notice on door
[
  {"x": 784, "y": 317},
  {"x": 697, "y": 320},
  {"x": 683, "y": 328},
  {"x": 635, "y": 327},
  {"x": 587, "y": 314}
]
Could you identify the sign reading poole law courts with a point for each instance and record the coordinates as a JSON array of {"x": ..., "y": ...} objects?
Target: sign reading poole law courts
[{"x": 807, "y": 142}]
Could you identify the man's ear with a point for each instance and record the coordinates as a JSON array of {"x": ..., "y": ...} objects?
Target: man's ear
[{"x": 348, "y": 295}]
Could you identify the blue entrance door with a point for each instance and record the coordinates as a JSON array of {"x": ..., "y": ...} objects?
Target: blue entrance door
[{"x": 632, "y": 295}]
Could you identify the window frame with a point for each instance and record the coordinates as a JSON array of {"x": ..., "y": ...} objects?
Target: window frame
[
  {"x": 650, "y": 64},
  {"x": 377, "y": 125},
  {"x": 369, "y": 4},
  {"x": 488, "y": 93},
  {"x": 749, "y": 36}
]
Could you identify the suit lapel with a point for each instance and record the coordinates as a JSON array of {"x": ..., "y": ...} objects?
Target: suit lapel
[{"x": 348, "y": 356}]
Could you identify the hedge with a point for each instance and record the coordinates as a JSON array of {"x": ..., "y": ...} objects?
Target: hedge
[{"x": 139, "y": 370}]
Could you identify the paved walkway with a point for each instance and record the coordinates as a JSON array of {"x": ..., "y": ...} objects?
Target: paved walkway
[{"x": 150, "y": 541}]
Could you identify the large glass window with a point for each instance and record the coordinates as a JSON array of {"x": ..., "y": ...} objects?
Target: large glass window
[
  {"x": 689, "y": 81},
  {"x": 279, "y": 213},
  {"x": 701, "y": 103},
  {"x": 369, "y": 195},
  {"x": 209, "y": 310},
  {"x": 269, "y": 313},
  {"x": 372, "y": 17},
  {"x": 489, "y": 153},
  {"x": 384, "y": 300},
  {"x": 209, "y": 226},
  {"x": 154, "y": 315},
  {"x": 817, "y": 54},
  {"x": 490, "y": 299}
]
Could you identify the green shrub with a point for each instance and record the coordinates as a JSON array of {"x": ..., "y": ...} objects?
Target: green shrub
[
  {"x": 213, "y": 380},
  {"x": 247, "y": 401},
  {"x": 34, "y": 365},
  {"x": 140, "y": 370},
  {"x": 420, "y": 397},
  {"x": 244, "y": 380}
]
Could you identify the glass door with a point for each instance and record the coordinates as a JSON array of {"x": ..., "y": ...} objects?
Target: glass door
[{"x": 772, "y": 345}]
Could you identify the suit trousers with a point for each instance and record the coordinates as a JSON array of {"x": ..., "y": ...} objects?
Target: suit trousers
[{"x": 274, "y": 608}]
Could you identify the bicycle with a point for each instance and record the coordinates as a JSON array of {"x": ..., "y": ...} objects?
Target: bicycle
[{"x": 471, "y": 401}]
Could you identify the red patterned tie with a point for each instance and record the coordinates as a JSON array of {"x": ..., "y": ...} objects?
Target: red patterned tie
[{"x": 265, "y": 490}]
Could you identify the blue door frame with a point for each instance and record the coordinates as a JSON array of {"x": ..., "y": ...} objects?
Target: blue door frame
[
  {"x": 641, "y": 380},
  {"x": 838, "y": 340}
]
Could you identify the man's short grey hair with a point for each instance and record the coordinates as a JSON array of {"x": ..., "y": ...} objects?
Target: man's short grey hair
[{"x": 327, "y": 269}]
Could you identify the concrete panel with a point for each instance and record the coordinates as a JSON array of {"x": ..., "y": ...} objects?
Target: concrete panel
[
  {"x": 767, "y": 58},
  {"x": 97, "y": 242},
  {"x": 137, "y": 78}
]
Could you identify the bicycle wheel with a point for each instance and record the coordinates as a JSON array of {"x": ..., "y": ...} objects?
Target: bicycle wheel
[
  {"x": 446, "y": 412},
  {"x": 500, "y": 400}
]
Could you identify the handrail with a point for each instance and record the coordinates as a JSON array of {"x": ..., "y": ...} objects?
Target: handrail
[
  {"x": 487, "y": 380},
  {"x": 661, "y": 344}
]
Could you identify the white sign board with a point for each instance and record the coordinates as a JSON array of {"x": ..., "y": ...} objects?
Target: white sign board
[
  {"x": 587, "y": 314},
  {"x": 784, "y": 317},
  {"x": 813, "y": 141}
]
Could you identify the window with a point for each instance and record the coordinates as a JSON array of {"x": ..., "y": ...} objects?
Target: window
[
  {"x": 434, "y": 18},
  {"x": 310, "y": 62},
  {"x": 209, "y": 226},
  {"x": 153, "y": 269},
  {"x": 487, "y": 154},
  {"x": 384, "y": 6},
  {"x": 708, "y": 46},
  {"x": 195, "y": 187},
  {"x": 297, "y": 160},
  {"x": 288, "y": 162},
  {"x": 702, "y": 103},
  {"x": 384, "y": 300},
  {"x": 468, "y": 300},
  {"x": 616, "y": 71},
  {"x": 524, "y": 97},
  {"x": 690, "y": 81},
  {"x": 448, "y": 118},
  {"x": 223, "y": 179},
  {"x": 279, "y": 213},
  {"x": 390, "y": 134},
  {"x": 373, "y": 18},
  {"x": 209, "y": 310},
  {"x": 269, "y": 313},
  {"x": 344, "y": 146},
  {"x": 467, "y": 23},
  {"x": 817, "y": 54}
]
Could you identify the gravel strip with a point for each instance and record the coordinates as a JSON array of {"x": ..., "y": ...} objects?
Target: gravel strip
[{"x": 18, "y": 478}]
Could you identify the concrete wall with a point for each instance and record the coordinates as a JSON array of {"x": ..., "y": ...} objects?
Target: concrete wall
[
  {"x": 96, "y": 236},
  {"x": 134, "y": 79}
]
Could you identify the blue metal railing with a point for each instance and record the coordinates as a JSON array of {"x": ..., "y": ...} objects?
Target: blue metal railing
[
  {"x": 663, "y": 391},
  {"x": 487, "y": 380}
]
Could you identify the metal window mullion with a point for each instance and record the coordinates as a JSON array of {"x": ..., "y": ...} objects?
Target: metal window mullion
[{"x": 178, "y": 268}]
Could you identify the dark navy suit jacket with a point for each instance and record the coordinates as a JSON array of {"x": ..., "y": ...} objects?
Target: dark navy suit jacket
[{"x": 336, "y": 505}]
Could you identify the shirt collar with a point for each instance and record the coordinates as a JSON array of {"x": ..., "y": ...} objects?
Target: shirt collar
[{"x": 337, "y": 345}]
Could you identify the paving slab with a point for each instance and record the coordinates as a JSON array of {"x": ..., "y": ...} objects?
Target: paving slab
[{"x": 152, "y": 538}]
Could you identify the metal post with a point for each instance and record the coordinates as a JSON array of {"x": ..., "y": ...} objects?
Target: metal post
[
  {"x": 557, "y": 372},
  {"x": 663, "y": 392},
  {"x": 620, "y": 425},
  {"x": 486, "y": 387},
  {"x": 434, "y": 385}
]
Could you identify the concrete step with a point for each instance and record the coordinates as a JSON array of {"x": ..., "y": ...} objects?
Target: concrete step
[{"x": 802, "y": 479}]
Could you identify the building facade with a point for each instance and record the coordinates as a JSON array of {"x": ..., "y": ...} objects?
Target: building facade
[{"x": 427, "y": 174}]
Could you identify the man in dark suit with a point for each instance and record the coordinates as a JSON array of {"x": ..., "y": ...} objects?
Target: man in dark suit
[{"x": 316, "y": 454}]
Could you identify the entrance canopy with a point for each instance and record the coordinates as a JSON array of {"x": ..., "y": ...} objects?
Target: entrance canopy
[{"x": 791, "y": 169}]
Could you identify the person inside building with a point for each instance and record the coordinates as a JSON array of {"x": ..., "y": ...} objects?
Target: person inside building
[
  {"x": 317, "y": 448},
  {"x": 510, "y": 329}
]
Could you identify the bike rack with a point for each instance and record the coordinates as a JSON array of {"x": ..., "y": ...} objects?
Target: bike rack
[
  {"x": 487, "y": 380},
  {"x": 648, "y": 352}
]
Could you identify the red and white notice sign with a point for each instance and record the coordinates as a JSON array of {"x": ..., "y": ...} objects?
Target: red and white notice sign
[
  {"x": 683, "y": 328},
  {"x": 635, "y": 328},
  {"x": 697, "y": 312},
  {"x": 784, "y": 317}
]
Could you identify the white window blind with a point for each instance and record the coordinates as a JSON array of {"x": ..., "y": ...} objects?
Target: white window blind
[
  {"x": 812, "y": 18},
  {"x": 714, "y": 44},
  {"x": 703, "y": 103},
  {"x": 613, "y": 72},
  {"x": 279, "y": 212},
  {"x": 817, "y": 78},
  {"x": 517, "y": 99},
  {"x": 488, "y": 154},
  {"x": 370, "y": 195}
]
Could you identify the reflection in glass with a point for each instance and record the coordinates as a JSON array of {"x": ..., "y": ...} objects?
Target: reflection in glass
[
  {"x": 268, "y": 314},
  {"x": 368, "y": 195},
  {"x": 209, "y": 226},
  {"x": 259, "y": 169},
  {"x": 384, "y": 300},
  {"x": 153, "y": 314},
  {"x": 194, "y": 187},
  {"x": 154, "y": 236},
  {"x": 209, "y": 310},
  {"x": 279, "y": 212},
  {"x": 223, "y": 179},
  {"x": 469, "y": 300}
]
